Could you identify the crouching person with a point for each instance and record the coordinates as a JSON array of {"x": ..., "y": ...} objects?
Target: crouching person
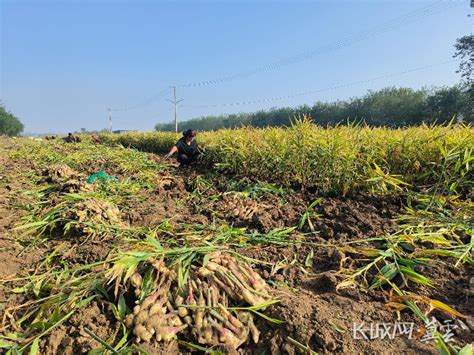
[{"x": 186, "y": 147}]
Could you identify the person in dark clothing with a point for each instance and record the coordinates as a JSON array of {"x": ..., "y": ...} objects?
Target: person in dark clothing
[
  {"x": 70, "y": 138},
  {"x": 186, "y": 147}
]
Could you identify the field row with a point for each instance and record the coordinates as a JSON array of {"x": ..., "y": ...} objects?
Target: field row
[{"x": 336, "y": 160}]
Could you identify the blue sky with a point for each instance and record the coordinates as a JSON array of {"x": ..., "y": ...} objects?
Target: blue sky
[{"x": 63, "y": 63}]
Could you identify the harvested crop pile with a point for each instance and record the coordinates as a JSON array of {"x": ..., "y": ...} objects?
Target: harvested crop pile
[
  {"x": 202, "y": 307},
  {"x": 71, "y": 204},
  {"x": 67, "y": 179},
  {"x": 58, "y": 173},
  {"x": 93, "y": 211},
  {"x": 241, "y": 211}
]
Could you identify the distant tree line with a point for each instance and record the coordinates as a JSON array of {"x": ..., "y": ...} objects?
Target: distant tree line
[
  {"x": 9, "y": 124},
  {"x": 393, "y": 107},
  {"x": 86, "y": 131}
]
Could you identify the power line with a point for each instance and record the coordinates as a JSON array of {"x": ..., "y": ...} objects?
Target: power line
[
  {"x": 122, "y": 121},
  {"x": 411, "y": 17},
  {"x": 435, "y": 8},
  {"x": 143, "y": 103},
  {"x": 335, "y": 87}
]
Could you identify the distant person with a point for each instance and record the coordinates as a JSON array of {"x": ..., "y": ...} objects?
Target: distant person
[
  {"x": 186, "y": 147},
  {"x": 95, "y": 139},
  {"x": 71, "y": 138}
]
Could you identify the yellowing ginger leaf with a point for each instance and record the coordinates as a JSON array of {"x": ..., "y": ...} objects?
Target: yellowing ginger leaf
[
  {"x": 435, "y": 304},
  {"x": 395, "y": 306}
]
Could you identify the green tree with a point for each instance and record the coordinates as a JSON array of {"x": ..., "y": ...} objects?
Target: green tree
[
  {"x": 447, "y": 102},
  {"x": 9, "y": 124},
  {"x": 394, "y": 107},
  {"x": 465, "y": 51}
]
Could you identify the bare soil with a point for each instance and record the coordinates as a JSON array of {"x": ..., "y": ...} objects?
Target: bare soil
[{"x": 315, "y": 313}]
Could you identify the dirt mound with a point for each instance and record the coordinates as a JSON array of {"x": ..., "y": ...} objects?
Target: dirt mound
[
  {"x": 15, "y": 260},
  {"x": 172, "y": 186},
  {"x": 76, "y": 252},
  {"x": 164, "y": 202},
  {"x": 151, "y": 209},
  {"x": 72, "y": 338},
  {"x": 320, "y": 316},
  {"x": 336, "y": 218},
  {"x": 360, "y": 217},
  {"x": 324, "y": 322}
]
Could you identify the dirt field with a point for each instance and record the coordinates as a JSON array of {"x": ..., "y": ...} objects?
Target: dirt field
[{"x": 303, "y": 272}]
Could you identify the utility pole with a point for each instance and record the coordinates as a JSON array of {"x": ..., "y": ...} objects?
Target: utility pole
[
  {"x": 175, "y": 103},
  {"x": 110, "y": 120}
]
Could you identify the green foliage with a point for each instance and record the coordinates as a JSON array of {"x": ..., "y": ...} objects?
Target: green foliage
[
  {"x": 337, "y": 160},
  {"x": 465, "y": 50},
  {"x": 9, "y": 124},
  {"x": 392, "y": 107},
  {"x": 449, "y": 102}
]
